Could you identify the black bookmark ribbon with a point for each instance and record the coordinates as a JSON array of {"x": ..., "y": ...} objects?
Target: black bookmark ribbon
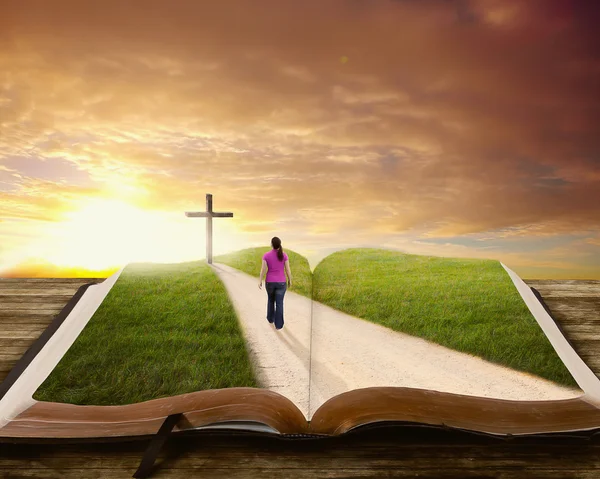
[{"x": 146, "y": 466}]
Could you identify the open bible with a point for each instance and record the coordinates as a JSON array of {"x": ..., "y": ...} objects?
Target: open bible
[{"x": 370, "y": 335}]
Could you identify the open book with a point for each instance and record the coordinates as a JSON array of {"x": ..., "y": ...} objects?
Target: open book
[{"x": 371, "y": 335}]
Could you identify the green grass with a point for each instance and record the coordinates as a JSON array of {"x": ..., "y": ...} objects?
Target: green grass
[
  {"x": 469, "y": 305},
  {"x": 249, "y": 261},
  {"x": 162, "y": 330}
]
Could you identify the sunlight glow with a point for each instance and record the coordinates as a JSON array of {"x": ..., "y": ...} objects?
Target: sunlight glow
[{"x": 109, "y": 233}]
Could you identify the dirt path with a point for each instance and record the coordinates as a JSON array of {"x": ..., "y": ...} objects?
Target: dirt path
[
  {"x": 350, "y": 353},
  {"x": 281, "y": 357}
]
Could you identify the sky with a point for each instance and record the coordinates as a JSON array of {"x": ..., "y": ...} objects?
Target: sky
[{"x": 449, "y": 128}]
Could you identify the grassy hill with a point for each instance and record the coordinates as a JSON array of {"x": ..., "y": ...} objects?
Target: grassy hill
[
  {"x": 162, "y": 330},
  {"x": 169, "y": 329},
  {"x": 469, "y": 305}
]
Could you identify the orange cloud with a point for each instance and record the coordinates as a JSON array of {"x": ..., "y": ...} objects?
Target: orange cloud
[{"x": 449, "y": 119}]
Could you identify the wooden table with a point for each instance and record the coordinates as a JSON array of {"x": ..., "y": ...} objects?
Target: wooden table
[{"x": 28, "y": 305}]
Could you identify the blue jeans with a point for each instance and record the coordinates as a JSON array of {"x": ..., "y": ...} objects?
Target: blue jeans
[{"x": 275, "y": 294}]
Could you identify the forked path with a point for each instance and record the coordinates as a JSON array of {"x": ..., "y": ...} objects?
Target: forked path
[{"x": 350, "y": 353}]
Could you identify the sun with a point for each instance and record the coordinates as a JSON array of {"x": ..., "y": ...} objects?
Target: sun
[
  {"x": 107, "y": 233},
  {"x": 102, "y": 234}
]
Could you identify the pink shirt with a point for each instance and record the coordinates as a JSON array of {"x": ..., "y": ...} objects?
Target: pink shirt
[{"x": 276, "y": 268}]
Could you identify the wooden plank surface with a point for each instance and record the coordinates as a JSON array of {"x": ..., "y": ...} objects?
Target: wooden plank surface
[
  {"x": 432, "y": 453},
  {"x": 383, "y": 452},
  {"x": 27, "y": 306},
  {"x": 576, "y": 307}
]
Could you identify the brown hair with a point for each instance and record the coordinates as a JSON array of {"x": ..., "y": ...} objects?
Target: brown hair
[{"x": 276, "y": 244}]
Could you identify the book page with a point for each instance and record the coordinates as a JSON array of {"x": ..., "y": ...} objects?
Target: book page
[
  {"x": 382, "y": 318},
  {"x": 171, "y": 332}
]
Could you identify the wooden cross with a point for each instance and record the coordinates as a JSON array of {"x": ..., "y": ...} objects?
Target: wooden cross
[{"x": 209, "y": 214}]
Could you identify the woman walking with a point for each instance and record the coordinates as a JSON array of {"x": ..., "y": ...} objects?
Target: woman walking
[{"x": 275, "y": 264}]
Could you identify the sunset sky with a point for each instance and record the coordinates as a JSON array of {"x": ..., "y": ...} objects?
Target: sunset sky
[{"x": 449, "y": 128}]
